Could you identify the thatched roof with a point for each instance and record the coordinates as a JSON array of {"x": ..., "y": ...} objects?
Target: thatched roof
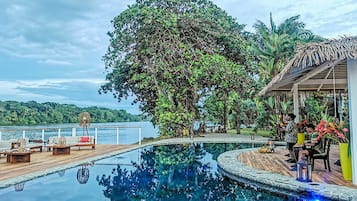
[{"x": 313, "y": 55}]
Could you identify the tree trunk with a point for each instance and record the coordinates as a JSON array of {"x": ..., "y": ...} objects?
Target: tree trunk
[
  {"x": 238, "y": 120},
  {"x": 225, "y": 113}
]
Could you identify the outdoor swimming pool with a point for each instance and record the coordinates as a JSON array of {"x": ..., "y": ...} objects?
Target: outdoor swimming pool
[{"x": 170, "y": 172}]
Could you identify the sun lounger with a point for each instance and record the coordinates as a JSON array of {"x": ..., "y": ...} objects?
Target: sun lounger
[{"x": 74, "y": 141}]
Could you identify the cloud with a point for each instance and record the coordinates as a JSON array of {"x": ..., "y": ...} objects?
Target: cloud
[
  {"x": 81, "y": 92},
  {"x": 59, "y": 32},
  {"x": 328, "y": 18},
  {"x": 56, "y": 62}
]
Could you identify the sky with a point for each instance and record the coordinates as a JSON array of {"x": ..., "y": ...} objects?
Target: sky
[{"x": 51, "y": 51}]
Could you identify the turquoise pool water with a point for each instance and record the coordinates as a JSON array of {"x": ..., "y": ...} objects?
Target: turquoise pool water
[{"x": 171, "y": 172}]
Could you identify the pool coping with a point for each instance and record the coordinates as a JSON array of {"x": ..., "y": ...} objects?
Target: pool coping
[{"x": 230, "y": 166}]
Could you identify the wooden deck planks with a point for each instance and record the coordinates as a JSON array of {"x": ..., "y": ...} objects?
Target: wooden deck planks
[
  {"x": 45, "y": 160},
  {"x": 275, "y": 162}
]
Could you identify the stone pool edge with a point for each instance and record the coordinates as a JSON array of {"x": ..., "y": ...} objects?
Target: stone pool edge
[{"x": 230, "y": 166}]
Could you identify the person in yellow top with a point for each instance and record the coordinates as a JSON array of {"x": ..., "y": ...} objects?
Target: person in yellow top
[
  {"x": 315, "y": 144},
  {"x": 300, "y": 150},
  {"x": 310, "y": 133}
]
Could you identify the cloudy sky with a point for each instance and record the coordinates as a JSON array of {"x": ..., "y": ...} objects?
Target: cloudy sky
[{"x": 51, "y": 50}]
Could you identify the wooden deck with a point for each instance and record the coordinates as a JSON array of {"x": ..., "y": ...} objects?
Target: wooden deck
[
  {"x": 275, "y": 162},
  {"x": 45, "y": 160}
]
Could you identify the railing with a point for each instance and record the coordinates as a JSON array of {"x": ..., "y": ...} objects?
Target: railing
[{"x": 102, "y": 134}]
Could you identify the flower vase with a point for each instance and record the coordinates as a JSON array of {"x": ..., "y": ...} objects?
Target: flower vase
[{"x": 346, "y": 163}]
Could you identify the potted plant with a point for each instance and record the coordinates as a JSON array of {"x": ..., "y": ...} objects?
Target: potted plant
[{"x": 338, "y": 133}]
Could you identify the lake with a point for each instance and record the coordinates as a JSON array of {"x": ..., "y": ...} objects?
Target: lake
[{"x": 107, "y": 133}]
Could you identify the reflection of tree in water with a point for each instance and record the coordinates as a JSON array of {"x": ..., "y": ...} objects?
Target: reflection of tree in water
[
  {"x": 171, "y": 173},
  {"x": 218, "y": 148}
]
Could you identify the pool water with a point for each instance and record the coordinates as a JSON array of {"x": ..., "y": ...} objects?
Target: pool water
[{"x": 170, "y": 172}]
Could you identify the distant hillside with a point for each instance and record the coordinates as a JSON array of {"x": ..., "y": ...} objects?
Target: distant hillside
[{"x": 33, "y": 113}]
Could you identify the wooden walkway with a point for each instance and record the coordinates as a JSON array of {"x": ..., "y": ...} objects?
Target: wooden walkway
[
  {"x": 44, "y": 160},
  {"x": 275, "y": 162}
]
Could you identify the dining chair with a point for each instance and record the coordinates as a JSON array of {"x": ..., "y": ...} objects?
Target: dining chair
[{"x": 325, "y": 155}]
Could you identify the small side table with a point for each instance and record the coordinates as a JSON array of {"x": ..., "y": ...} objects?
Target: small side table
[
  {"x": 61, "y": 150},
  {"x": 18, "y": 157}
]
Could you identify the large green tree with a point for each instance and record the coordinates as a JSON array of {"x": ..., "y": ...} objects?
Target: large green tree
[
  {"x": 274, "y": 45},
  {"x": 170, "y": 54}
]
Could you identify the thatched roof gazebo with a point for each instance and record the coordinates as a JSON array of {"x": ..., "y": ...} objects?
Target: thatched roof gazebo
[
  {"x": 311, "y": 68},
  {"x": 327, "y": 66}
]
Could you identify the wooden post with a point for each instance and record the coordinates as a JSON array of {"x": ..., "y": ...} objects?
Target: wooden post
[
  {"x": 296, "y": 101},
  {"x": 352, "y": 100}
]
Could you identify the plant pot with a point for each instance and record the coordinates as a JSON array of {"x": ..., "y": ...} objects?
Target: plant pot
[
  {"x": 300, "y": 138},
  {"x": 346, "y": 163}
]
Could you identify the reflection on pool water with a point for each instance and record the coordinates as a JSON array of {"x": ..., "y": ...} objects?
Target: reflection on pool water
[{"x": 171, "y": 172}]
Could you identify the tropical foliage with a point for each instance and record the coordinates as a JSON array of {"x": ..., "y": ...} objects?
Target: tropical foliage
[
  {"x": 315, "y": 108},
  {"x": 188, "y": 60},
  {"x": 33, "y": 113},
  {"x": 172, "y": 54},
  {"x": 273, "y": 46}
]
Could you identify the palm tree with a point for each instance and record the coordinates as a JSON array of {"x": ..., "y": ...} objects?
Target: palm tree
[
  {"x": 84, "y": 121},
  {"x": 275, "y": 45}
]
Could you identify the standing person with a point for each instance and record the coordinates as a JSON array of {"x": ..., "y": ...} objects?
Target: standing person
[
  {"x": 291, "y": 135},
  {"x": 281, "y": 132}
]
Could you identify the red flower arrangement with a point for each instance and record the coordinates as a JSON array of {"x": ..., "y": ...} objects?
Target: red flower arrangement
[{"x": 331, "y": 130}]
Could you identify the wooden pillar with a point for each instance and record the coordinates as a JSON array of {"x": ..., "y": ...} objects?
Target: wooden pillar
[
  {"x": 352, "y": 100},
  {"x": 296, "y": 101}
]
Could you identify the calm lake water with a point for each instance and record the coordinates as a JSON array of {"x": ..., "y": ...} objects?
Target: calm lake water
[{"x": 107, "y": 133}]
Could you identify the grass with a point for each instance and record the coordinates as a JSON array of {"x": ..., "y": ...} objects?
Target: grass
[
  {"x": 249, "y": 131},
  {"x": 243, "y": 131}
]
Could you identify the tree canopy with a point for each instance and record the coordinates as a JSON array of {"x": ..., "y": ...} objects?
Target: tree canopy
[
  {"x": 275, "y": 44},
  {"x": 171, "y": 54},
  {"x": 33, "y": 113}
]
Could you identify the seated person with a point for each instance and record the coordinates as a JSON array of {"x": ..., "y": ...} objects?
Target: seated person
[
  {"x": 310, "y": 128},
  {"x": 316, "y": 148},
  {"x": 301, "y": 151}
]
